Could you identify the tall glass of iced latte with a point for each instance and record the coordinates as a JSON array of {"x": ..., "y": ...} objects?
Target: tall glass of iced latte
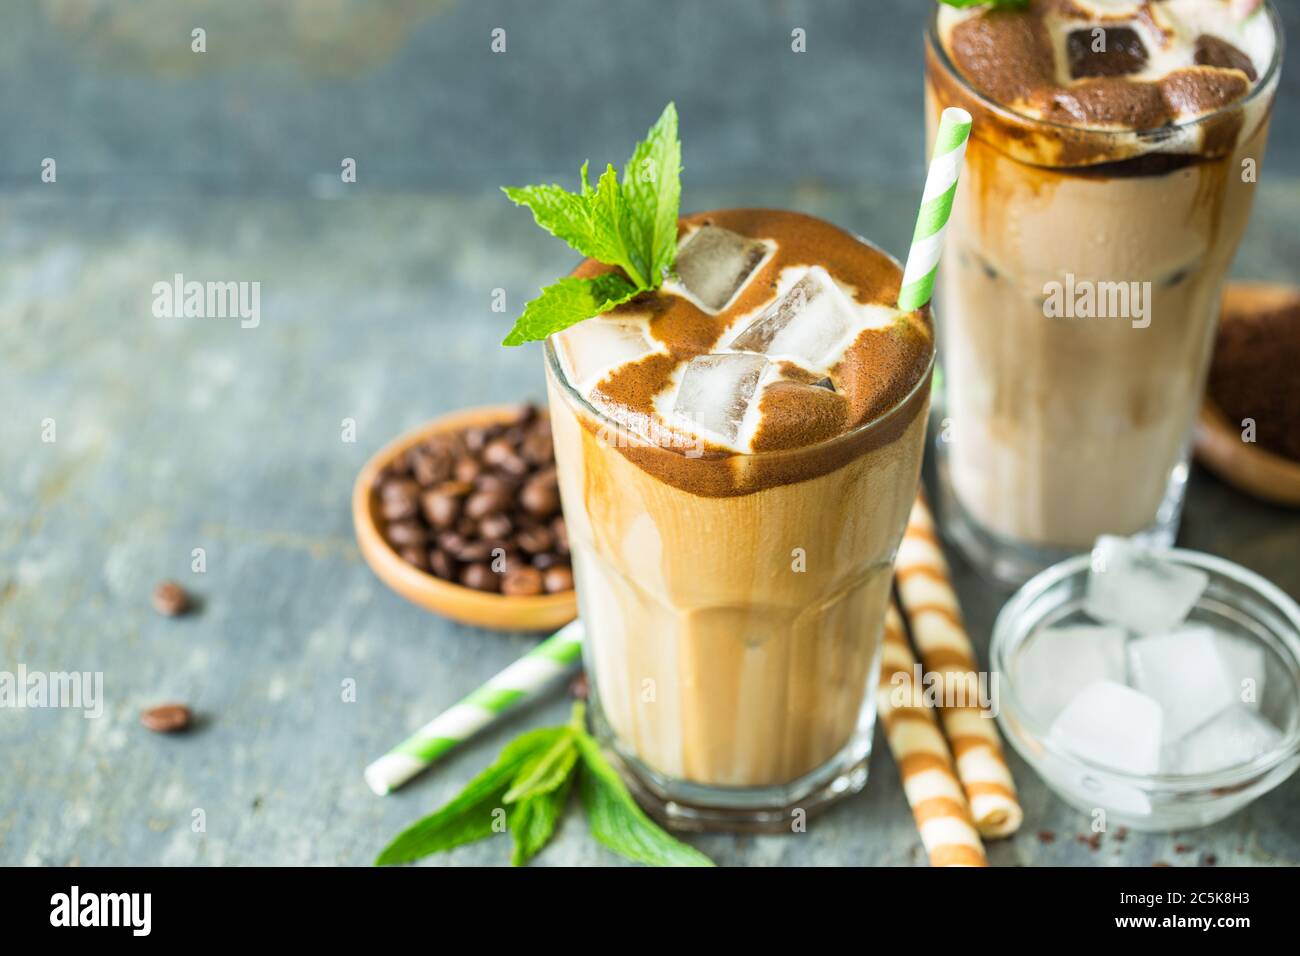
[
  {"x": 737, "y": 455},
  {"x": 1108, "y": 181}
]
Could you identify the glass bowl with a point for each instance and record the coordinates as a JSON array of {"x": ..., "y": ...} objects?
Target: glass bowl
[{"x": 1237, "y": 603}]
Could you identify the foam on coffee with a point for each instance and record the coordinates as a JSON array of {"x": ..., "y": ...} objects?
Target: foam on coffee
[
  {"x": 857, "y": 359},
  {"x": 1163, "y": 64}
]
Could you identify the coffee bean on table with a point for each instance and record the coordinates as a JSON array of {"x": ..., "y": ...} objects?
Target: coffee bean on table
[
  {"x": 521, "y": 581},
  {"x": 170, "y": 599},
  {"x": 167, "y": 718},
  {"x": 558, "y": 578},
  {"x": 480, "y": 577}
]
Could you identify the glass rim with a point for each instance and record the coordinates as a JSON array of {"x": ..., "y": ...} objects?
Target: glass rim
[
  {"x": 606, "y": 421},
  {"x": 1001, "y": 646},
  {"x": 1265, "y": 82}
]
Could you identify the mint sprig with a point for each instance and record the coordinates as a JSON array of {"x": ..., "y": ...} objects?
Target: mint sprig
[
  {"x": 528, "y": 788},
  {"x": 629, "y": 224}
]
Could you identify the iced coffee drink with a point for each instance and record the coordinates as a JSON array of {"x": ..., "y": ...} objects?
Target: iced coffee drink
[
  {"x": 1108, "y": 181},
  {"x": 737, "y": 454}
]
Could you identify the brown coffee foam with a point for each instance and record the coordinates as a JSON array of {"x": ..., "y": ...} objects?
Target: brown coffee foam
[
  {"x": 803, "y": 434},
  {"x": 1006, "y": 57}
]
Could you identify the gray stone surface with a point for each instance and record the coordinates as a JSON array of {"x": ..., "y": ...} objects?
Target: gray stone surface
[{"x": 174, "y": 434}]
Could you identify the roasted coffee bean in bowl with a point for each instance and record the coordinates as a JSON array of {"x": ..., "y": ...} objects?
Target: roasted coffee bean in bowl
[{"x": 462, "y": 516}]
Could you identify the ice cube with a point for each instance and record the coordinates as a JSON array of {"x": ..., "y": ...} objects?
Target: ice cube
[
  {"x": 1132, "y": 585},
  {"x": 1104, "y": 51},
  {"x": 1112, "y": 726},
  {"x": 1058, "y": 662},
  {"x": 1237, "y": 735},
  {"x": 1182, "y": 670},
  {"x": 1245, "y": 663},
  {"x": 807, "y": 326},
  {"x": 713, "y": 264},
  {"x": 592, "y": 349},
  {"x": 717, "y": 390}
]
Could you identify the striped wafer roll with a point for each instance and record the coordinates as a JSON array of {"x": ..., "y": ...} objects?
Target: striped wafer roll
[
  {"x": 935, "y": 619},
  {"x": 942, "y": 815}
]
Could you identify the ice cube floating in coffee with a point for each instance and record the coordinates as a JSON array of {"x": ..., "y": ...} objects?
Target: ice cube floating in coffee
[
  {"x": 778, "y": 331},
  {"x": 1120, "y": 64}
]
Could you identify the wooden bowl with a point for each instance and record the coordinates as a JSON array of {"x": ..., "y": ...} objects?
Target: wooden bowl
[
  {"x": 1219, "y": 447},
  {"x": 544, "y": 612}
]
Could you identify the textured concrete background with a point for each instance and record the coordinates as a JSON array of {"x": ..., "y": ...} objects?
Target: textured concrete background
[{"x": 174, "y": 434}]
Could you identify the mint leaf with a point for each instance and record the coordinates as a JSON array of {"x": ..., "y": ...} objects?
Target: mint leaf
[
  {"x": 546, "y": 770},
  {"x": 616, "y": 820},
  {"x": 652, "y": 189},
  {"x": 568, "y": 302},
  {"x": 612, "y": 232},
  {"x": 469, "y": 815},
  {"x": 631, "y": 225},
  {"x": 533, "y": 820},
  {"x": 563, "y": 214}
]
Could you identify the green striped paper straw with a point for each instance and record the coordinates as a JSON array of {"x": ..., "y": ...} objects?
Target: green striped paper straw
[
  {"x": 518, "y": 682},
  {"x": 936, "y": 205}
]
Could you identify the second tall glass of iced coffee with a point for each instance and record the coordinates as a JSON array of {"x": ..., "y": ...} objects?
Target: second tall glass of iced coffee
[
  {"x": 1108, "y": 181},
  {"x": 738, "y": 453}
]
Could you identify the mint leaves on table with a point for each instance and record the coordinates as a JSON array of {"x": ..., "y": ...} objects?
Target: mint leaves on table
[
  {"x": 526, "y": 791},
  {"x": 630, "y": 224}
]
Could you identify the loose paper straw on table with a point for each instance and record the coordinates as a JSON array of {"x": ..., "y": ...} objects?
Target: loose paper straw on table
[
  {"x": 938, "y": 803},
  {"x": 936, "y": 205},
  {"x": 518, "y": 682},
  {"x": 925, "y": 588}
]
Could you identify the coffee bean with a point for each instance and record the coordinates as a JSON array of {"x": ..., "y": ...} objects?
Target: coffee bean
[
  {"x": 397, "y": 507},
  {"x": 403, "y": 533},
  {"x": 480, "y": 577},
  {"x": 167, "y": 718},
  {"x": 495, "y": 525},
  {"x": 431, "y": 468},
  {"x": 467, "y": 469},
  {"x": 535, "y": 539},
  {"x": 558, "y": 578},
  {"x": 442, "y": 564},
  {"x": 476, "y": 551},
  {"x": 415, "y": 555},
  {"x": 440, "y": 507},
  {"x": 540, "y": 496},
  {"x": 561, "y": 532},
  {"x": 521, "y": 580},
  {"x": 537, "y": 449},
  {"x": 486, "y": 501},
  {"x": 170, "y": 599},
  {"x": 461, "y": 500},
  {"x": 580, "y": 687}
]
